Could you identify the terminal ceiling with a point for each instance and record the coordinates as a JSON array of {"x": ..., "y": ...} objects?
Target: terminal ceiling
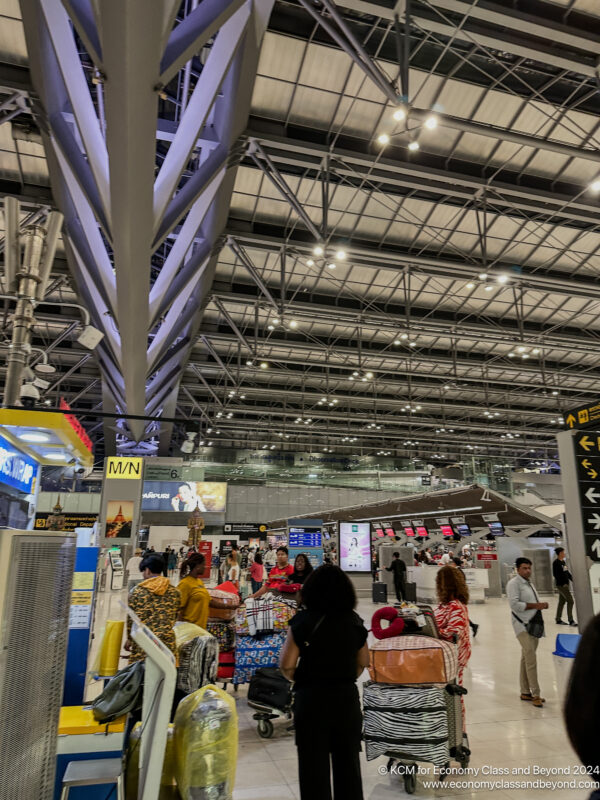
[{"x": 399, "y": 347}]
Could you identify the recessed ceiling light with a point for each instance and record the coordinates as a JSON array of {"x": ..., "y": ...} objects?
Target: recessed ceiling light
[
  {"x": 502, "y": 278},
  {"x": 331, "y": 265},
  {"x": 264, "y": 365},
  {"x": 340, "y": 255},
  {"x": 489, "y": 288},
  {"x": 404, "y": 336},
  {"x": 595, "y": 186},
  {"x": 293, "y": 324},
  {"x": 414, "y": 145},
  {"x": 55, "y": 456},
  {"x": 521, "y": 349},
  {"x": 399, "y": 114},
  {"x": 310, "y": 263},
  {"x": 483, "y": 276},
  {"x": 383, "y": 139},
  {"x": 412, "y": 344},
  {"x": 431, "y": 122},
  {"x": 318, "y": 250},
  {"x": 270, "y": 327},
  {"x": 34, "y": 438},
  {"x": 470, "y": 285}
]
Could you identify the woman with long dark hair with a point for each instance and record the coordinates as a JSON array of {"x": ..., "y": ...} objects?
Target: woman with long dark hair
[
  {"x": 194, "y": 595},
  {"x": 302, "y": 569},
  {"x": 324, "y": 653}
]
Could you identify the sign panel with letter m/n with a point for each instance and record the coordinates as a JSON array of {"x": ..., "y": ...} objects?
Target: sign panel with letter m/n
[{"x": 123, "y": 468}]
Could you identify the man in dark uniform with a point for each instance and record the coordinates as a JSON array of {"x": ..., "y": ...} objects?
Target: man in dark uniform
[
  {"x": 398, "y": 567},
  {"x": 562, "y": 576}
]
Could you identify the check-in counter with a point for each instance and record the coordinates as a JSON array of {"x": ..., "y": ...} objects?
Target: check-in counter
[{"x": 424, "y": 578}]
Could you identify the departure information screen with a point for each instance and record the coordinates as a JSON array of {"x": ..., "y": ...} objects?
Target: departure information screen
[
  {"x": 305, "y": 537},
  {"x": 447, "y": 530}
]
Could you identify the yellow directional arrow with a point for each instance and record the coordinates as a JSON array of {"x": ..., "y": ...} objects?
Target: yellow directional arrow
[
  {"x": 570, "y": 420},
  {"x": 593, "y": 474},
  {"x": 587, "y": 465},
  {"x": 586, "y": 443}
]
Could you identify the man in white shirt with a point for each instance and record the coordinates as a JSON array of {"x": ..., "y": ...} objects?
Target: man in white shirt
[
  {"x": 134, "y": 576},
  {"x": 524, "y": 604},
  {"x": 446, "y": 558},
  {"x": 269, "y": 559}
]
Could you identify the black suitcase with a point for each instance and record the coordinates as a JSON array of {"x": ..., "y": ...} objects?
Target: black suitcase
[
  {"x": 269, "y": 688},
  {"x": 379, "y": 592},
  {"x": 410, "y": 592}
]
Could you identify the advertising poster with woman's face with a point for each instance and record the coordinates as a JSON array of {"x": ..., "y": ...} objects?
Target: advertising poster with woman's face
[
  {"x": 184, "y": 496},
  {"x": 355, "y": 546}
]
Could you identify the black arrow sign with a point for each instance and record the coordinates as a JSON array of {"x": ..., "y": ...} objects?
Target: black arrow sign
[
  {"x": 592, "y": 546},
  {"x": 584, "y": 416},
  {"x": 588, "y": 468}
]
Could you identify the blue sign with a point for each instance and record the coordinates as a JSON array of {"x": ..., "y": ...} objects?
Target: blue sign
[
  {"x": 16, "y": 469},
  {"x": 305, "y": 537}
]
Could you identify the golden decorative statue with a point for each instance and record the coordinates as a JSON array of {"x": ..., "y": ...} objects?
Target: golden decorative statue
[
  {"x": 56, "y": 521},
  {"x": 195, "y": 526}
]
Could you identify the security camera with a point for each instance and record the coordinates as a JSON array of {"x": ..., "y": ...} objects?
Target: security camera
[
  {"x": 29, "y": 395},
  {"x": 188, "y": 445}
]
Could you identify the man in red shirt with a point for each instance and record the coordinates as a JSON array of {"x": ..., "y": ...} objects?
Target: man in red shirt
[{"x": 278, "y": 575}]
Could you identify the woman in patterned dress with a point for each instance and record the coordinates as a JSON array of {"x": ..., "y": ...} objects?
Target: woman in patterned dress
[{"x": 452, "y": 616}]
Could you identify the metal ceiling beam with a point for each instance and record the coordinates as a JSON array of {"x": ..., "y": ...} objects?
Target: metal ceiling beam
[
  {"x": 500, "y": 40},
  {"x": 368, "y": 254},
  {"x": 358, "y": 164},
  {"x": 345, "y": 357},
  {"x": 493, "y": 332}
]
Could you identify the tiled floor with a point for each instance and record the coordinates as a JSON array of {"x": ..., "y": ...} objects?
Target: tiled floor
[{"x": 504, "y": 732}]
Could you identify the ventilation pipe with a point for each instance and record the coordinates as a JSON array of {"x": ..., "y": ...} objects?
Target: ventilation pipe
[{"x": 31, "y": 276}]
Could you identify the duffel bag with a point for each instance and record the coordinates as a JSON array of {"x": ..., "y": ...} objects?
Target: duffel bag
[
  {"x": 269, "y": 687},
  {"x": 220, "y": 599},
  {"x": 413, "y": 659}
]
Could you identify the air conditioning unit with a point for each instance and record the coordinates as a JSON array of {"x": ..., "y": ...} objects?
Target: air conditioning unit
[{"x": 36, "y": 574}]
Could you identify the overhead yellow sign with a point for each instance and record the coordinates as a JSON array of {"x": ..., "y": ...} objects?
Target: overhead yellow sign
[{"x": 123, "y": 468}]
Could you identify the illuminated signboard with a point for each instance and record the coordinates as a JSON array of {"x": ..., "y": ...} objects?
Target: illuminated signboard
[
  {"x": 422, "y": 530},
  {"x": 76, "y": 425},
  {"x": 184, "y": 496},
  {"x": 390, "y": 532},
  {"x": 409, "y": 531},
  {"x": 16, "y": 469},
  {"x": 447, "y": 530}
]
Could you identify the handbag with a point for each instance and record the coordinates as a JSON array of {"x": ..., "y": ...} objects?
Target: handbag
[
  {"x": 535, "y": 626},
  {"x": 124, "y": 693}
]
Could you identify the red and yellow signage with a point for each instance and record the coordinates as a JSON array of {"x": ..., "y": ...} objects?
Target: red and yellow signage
[{"x": 58, "y": 434}]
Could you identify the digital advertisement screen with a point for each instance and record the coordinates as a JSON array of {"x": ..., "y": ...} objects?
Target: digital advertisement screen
[
  {"x": 184, "y": 496},
  {"x": 497, "y": 528},
  {"x": 463, "y": 530},
  {"x": 422, "y": 530},
  {"x": 355, "y": 546},
  {"x": 409, "y": 531},
  {"x": 447, "y": 530}
]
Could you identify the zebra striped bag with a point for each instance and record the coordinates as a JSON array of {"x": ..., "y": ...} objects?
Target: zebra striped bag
[{"x": 408, "y": 722}]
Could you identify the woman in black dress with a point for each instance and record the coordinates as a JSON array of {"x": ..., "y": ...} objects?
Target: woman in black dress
[{"x": 324, "y": 653}]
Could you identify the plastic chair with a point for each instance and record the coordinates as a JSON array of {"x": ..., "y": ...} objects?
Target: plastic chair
[{"x": 93, "y": 772}]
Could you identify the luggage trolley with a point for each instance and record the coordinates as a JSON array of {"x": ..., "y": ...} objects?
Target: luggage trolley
[
  {"x": 270, "y": 695},
  {"x": 452, "y": 694}
]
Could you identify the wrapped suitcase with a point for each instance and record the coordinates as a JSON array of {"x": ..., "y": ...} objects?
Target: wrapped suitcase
[
  {"x": 269, "y": 689},
  {"x": 413, "y": 660},
  {"x": 253, "y": 652},
  {"x": 198, "y": 662},
  {"x": 407, "y": 721},
  {"x": 223, "y": 631},
  {"x": 206, "y": 737}
]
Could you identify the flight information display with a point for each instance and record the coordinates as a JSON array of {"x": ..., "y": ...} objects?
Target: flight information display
[
  {"x": 447, "y": 530},
  {"x": 409, "y": 531},
  {"x": 422, "y": 530},
  {"x": 497, "y": 528},
  {"x": 463, "y": 530},
  {"x": 391, "y": 532},
  {"x": 305, "y": 537}
]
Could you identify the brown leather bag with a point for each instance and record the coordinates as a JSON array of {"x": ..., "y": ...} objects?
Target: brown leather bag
[{"x": 413, "y": 659}]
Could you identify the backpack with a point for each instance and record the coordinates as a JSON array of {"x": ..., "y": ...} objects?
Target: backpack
[{"x": 124, "y": 693}]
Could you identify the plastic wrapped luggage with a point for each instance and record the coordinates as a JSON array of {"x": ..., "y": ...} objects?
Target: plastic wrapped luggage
[
  {"x": 413, "y": 660},
  {"x": 206, "y": 738},
  {"x": 409, "y": 722},
  {"x": 253, "y": 652},
  {"x": 223, "y": 631},
  {"x": 268, "y": 610},
  {"x": 269, "y": 688},
  {"x": 168, "y": 789},
  {"x": 198, "y": 654}
]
